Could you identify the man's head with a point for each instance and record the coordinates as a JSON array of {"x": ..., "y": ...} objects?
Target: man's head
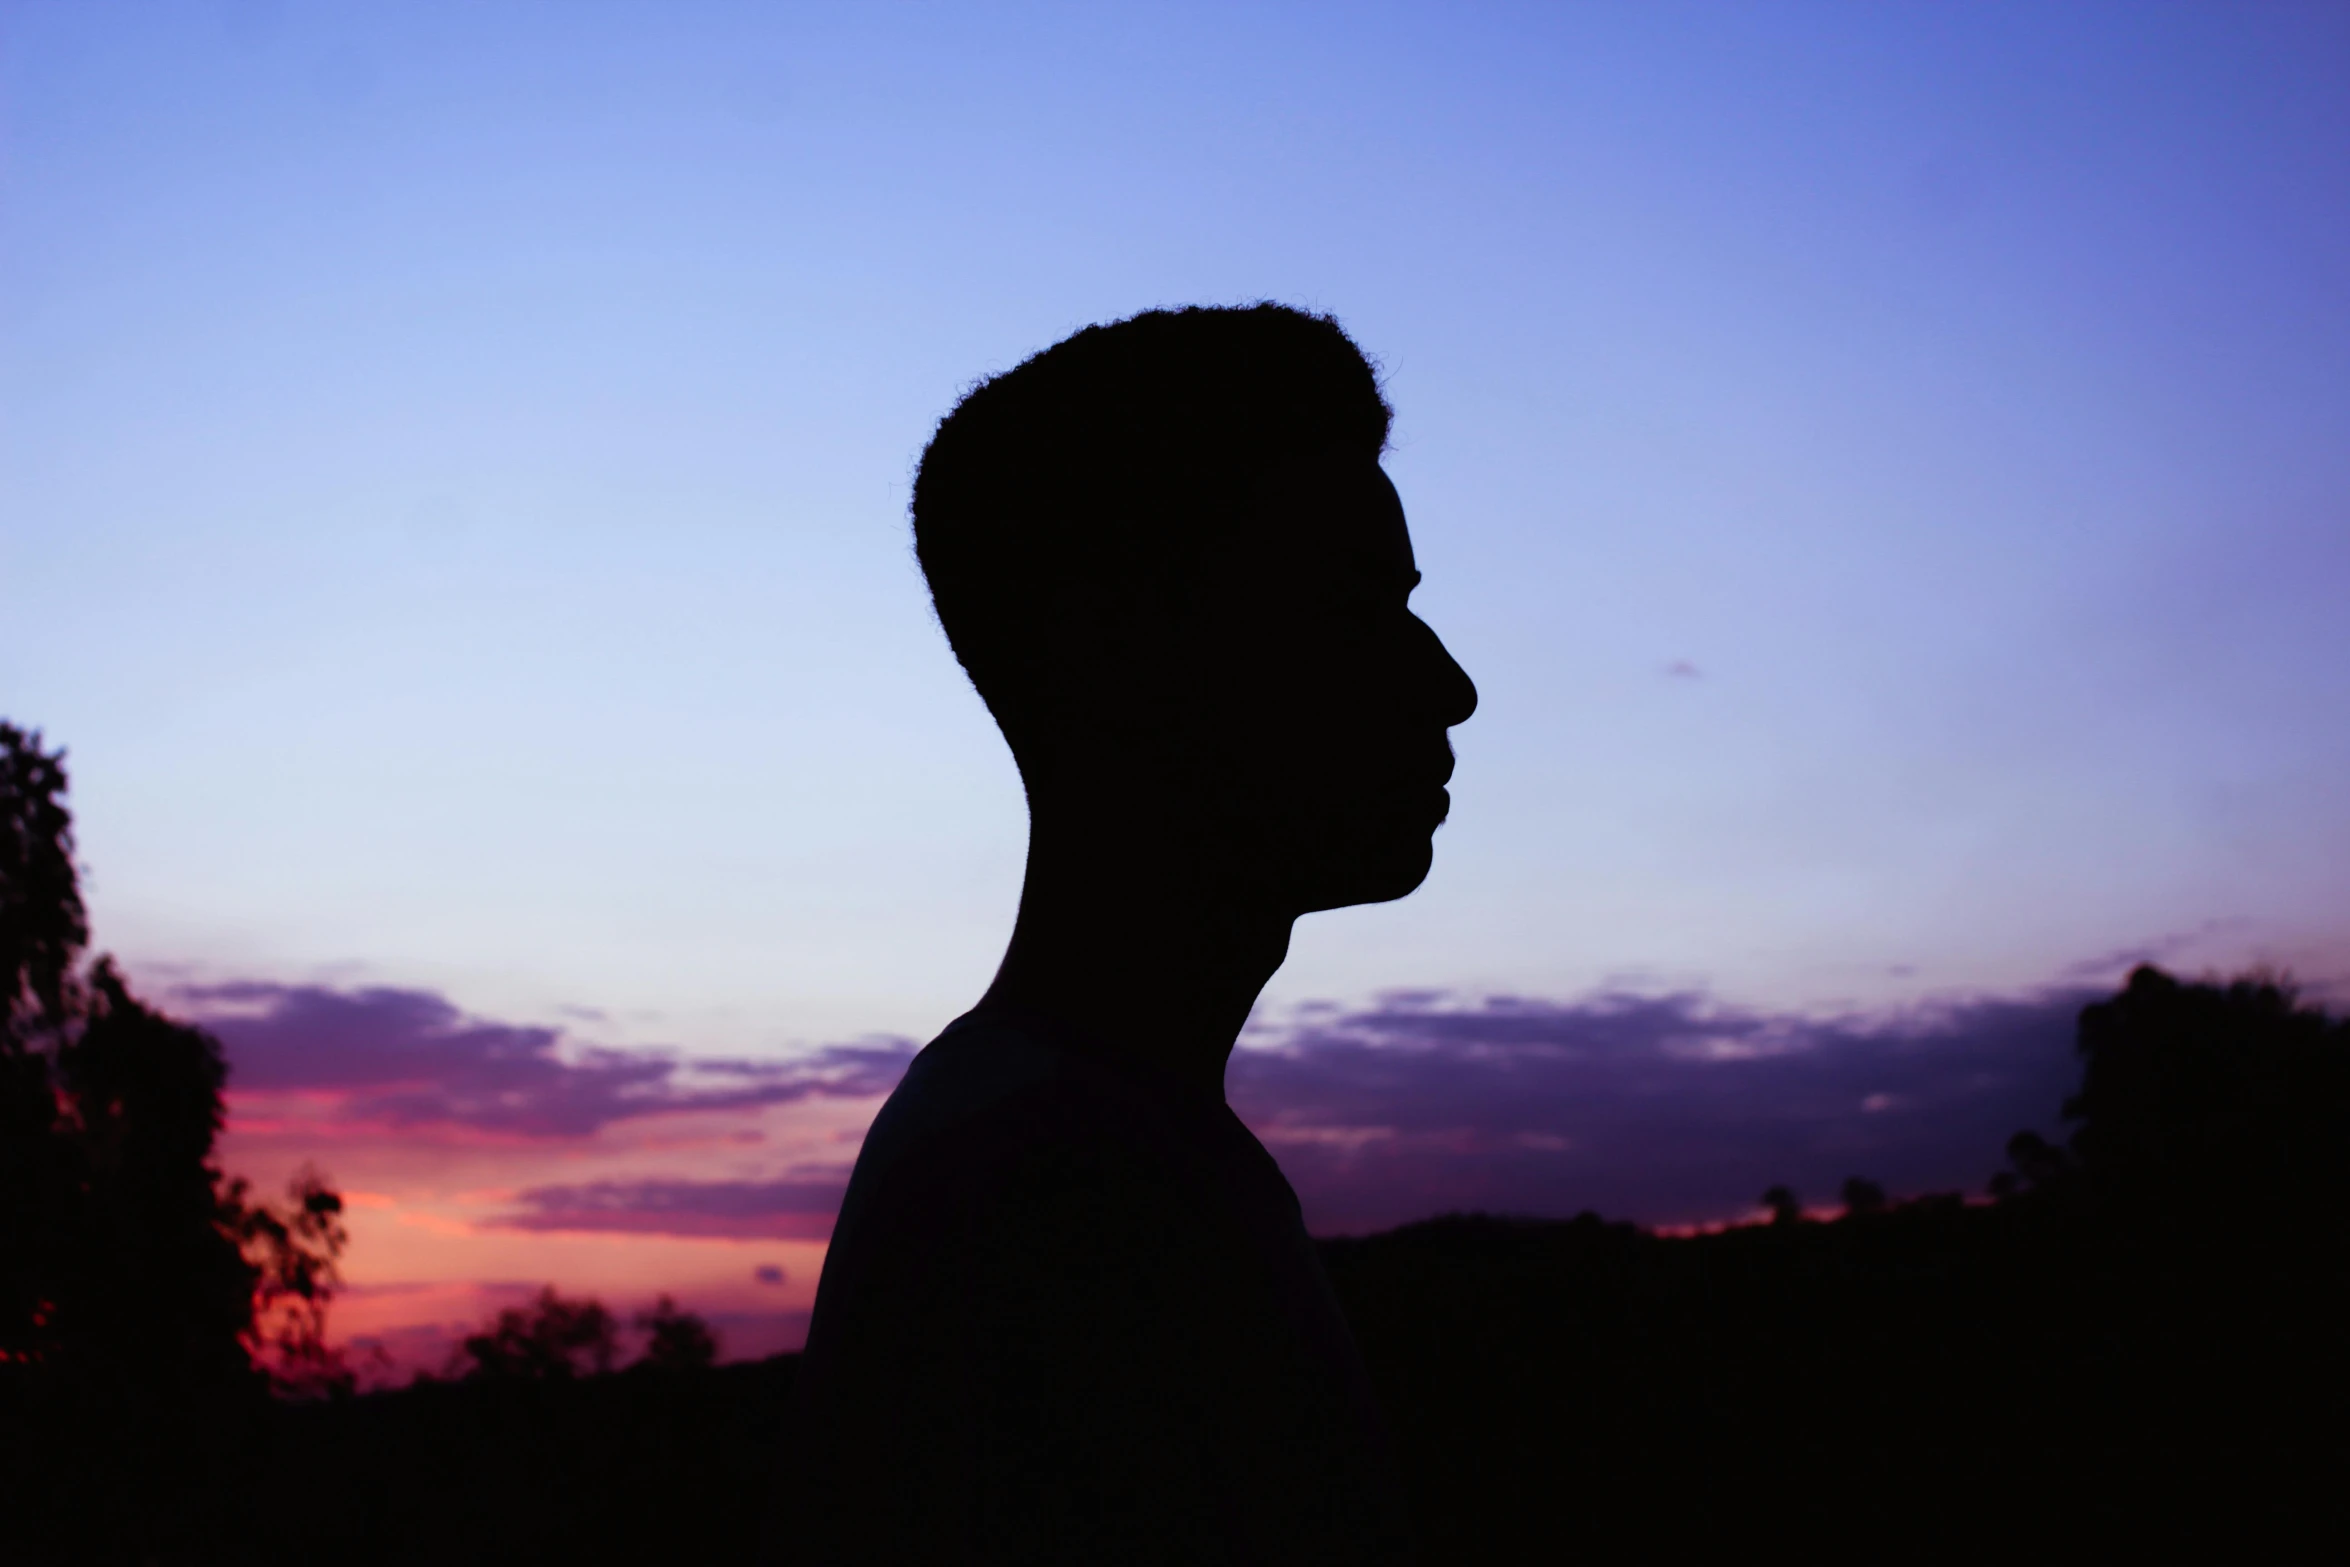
[{"x": 1166, "y": 555}]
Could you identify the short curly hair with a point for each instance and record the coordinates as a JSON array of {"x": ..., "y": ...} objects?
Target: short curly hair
[{"x": 1112, "y": 468}]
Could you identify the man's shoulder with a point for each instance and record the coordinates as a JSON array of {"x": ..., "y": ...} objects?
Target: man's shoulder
[
  {"x": 1004, "y": 1136},
  {"x": 975, "y": 1071},
  {"x": 985, "y": 1099}
]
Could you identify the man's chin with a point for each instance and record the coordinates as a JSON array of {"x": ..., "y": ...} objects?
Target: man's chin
[{"x": 1377, "y": 876}]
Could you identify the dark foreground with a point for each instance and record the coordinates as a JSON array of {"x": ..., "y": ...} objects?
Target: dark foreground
[{"x": 1933, "y": 1380}]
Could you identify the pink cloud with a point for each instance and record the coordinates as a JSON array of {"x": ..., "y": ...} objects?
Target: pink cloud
[{"x": 795, "y": 1208}]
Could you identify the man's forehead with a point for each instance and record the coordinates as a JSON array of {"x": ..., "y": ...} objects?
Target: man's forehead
[{"x": 1334, "y": 513}]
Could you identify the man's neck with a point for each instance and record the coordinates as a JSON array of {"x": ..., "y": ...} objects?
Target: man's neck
[{"x": 1147, "y": 952}]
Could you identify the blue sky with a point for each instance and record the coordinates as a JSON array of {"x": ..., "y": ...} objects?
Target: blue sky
[{"x": 453, "y": 464}]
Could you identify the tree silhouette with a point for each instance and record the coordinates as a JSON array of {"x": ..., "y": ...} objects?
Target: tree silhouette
[
  {"x": 42, "y": 932},
  {"x": 297, "y": 1250},
  {"x": 675, "y": 1340},
  {"x": 1862, "y": 1196},
  {"x": 126, "y": 1258},
  {"x": 550, "y": 1339},
  {"x": 2221, "y": 1103},
  {"x": 1783, "y": 1205},
  {"x": 43, "y": 927},
  {"x": 2037, "y": 1161},
  {"x": 2207, "y": 1096},
  {"x": 555, "y": 1339},
  {"x": 157, "y": 1282}
]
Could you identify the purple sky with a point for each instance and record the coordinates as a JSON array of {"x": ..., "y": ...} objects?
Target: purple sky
[{"x": 1887, "y": 469}]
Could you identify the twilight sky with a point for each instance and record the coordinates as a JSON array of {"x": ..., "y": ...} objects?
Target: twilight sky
[{"x": 1887, "y": 469}]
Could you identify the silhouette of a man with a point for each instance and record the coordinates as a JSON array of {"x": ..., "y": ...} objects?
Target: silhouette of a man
[{"x": 1070, "y": 1312}]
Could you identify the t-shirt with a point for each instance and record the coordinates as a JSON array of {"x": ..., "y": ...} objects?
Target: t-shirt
[{"x": 1071, "y": 1313}]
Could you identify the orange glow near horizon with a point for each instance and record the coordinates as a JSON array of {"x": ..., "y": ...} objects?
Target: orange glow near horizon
[{"x": 436, "y": 1219}]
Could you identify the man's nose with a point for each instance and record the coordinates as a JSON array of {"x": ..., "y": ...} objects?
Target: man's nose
[{"x": 1451, "y": 692}]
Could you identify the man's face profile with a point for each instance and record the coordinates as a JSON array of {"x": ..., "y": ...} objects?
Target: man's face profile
[
  {"x": 1325, "y": 699},
  {"x": 1166, "y": 553}
]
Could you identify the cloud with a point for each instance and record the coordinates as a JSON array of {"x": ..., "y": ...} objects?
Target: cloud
[
  {"x": 1660, "y": 1108},
  {"x": 2105, "y": 966},
  {"x": 408, "y": 1059},
  {"x": 797, "y": 1208},
  {"x": 1657, "y": 1108}
]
